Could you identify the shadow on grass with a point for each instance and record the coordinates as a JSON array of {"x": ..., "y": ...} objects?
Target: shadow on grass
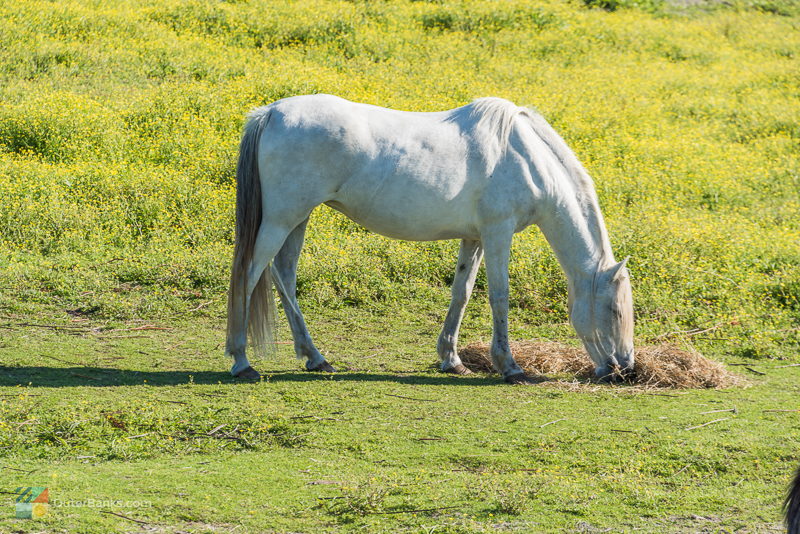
[{"x": 39, "y": 376}]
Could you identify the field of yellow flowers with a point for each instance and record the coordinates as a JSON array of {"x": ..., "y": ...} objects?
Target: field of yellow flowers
[{"x": 119, "y": 128}]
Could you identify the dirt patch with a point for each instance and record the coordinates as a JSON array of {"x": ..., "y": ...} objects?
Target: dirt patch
[{"x": 660, "y": 366}]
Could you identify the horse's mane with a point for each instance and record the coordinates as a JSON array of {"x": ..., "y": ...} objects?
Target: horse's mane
[
  {"x": 581, "y": 181},
  {"x": 493, "y": 119}
]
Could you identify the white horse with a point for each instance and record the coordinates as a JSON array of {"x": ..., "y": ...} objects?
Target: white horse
[{"x": 478, "y": 173}]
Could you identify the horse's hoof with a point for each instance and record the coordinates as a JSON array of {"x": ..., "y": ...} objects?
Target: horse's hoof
[
  {"x": 249, "y": 374},
  {"x": 459, "y": 369},
  {"x": 520, "y": 379},
  {"x": 324, "y": 367}
]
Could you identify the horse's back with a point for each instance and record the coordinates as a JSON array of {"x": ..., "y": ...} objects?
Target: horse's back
[
  {"x": 402, "y": 174},
  {"x": 354, "y": 129},
  {"x": 416, "y": 176}
]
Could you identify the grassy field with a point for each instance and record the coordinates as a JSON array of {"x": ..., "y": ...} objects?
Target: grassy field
[{"x": 119, "y": 125}]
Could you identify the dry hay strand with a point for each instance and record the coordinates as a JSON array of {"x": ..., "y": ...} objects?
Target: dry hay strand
[{"x": 659, "y": 367}]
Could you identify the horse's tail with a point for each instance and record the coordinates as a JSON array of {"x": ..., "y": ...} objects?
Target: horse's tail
[
  {"x": 792, "y": 506},
  {"x": 261, "y": 315}
]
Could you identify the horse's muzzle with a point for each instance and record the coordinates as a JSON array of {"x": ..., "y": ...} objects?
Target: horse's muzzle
[{"x": 619, "y": 369}]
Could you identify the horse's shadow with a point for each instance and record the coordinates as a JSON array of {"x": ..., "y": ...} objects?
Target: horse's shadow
[{"x": 50, "y": 377}]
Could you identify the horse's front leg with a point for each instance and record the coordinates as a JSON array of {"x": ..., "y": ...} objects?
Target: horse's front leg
[
  {"x": 469, "y": 259},
  {"x": 497, "y": 244}
]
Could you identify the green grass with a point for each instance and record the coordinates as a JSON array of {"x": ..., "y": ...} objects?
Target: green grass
[
  {"x": 119, "y": 125},
  {"x": 124, "y": 415}
]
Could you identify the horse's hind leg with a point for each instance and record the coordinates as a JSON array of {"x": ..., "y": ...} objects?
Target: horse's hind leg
[
  {"x": 469, "y": 259},
  {"x": 284, "y": 272},
  {"x": 268, "y": 241},
  {"x": 497, "y": 243}
]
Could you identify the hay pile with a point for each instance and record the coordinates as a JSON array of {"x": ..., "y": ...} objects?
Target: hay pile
[{"x": 662, "y": 366}]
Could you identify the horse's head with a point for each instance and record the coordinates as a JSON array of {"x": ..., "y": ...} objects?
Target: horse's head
[{"x": 601, "y": 311}]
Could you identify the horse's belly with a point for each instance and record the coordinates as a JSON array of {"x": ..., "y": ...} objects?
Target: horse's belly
[
  {"x": 412, "y": 193},
  {"x": 407, "y": 221}
]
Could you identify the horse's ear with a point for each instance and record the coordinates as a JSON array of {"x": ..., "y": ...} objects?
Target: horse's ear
[{"x": 617, "y": 271}]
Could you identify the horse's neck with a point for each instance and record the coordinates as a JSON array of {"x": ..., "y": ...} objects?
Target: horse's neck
[{"x": 574, "y": 227}]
